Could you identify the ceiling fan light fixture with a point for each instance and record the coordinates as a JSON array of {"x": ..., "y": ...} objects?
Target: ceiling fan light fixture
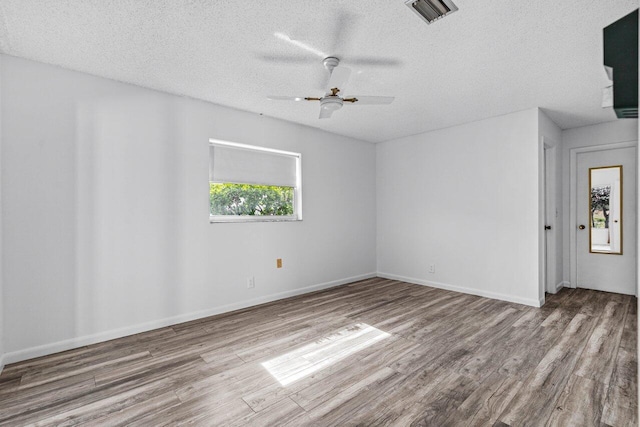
[
  {"x": 331, "y": 102},
  {"x": 431, "y": 10}
]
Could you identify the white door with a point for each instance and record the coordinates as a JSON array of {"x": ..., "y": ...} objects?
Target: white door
[{"x": 606, "y": 255}]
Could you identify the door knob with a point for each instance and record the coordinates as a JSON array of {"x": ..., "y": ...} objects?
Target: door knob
[{"x": 581, "y": 227}]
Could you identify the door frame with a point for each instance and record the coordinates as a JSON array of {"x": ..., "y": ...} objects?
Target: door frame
[
  {"x": 548, "y": 209},
  {"x": 548, "y": 190},
  {"x": 573, "y": 201}
]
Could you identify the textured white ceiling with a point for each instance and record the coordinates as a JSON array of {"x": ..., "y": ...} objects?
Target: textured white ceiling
[{"x": 489, "y": 58}]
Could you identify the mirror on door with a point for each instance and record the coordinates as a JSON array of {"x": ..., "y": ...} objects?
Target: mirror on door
[{"x": 605, "y": 210}]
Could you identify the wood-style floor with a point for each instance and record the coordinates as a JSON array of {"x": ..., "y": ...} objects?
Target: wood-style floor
[{"x": 376, "y": 352}]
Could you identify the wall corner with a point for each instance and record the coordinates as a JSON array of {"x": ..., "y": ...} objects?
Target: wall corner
[{"x": 2, "y": 334}]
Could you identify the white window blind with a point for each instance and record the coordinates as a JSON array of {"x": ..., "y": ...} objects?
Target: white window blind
[{"x": 235, "y": 164}]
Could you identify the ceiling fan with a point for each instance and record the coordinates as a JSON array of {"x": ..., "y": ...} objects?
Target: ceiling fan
[{"x": 332, "y": 101}]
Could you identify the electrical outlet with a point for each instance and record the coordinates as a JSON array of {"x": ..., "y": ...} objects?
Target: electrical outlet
[
  {"x": 432, "y": 268},
  {"x": 251, "y": 282},
  {"x": 279, "y": 263}
]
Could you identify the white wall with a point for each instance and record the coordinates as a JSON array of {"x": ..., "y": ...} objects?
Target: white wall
[
  {"x": 106, "y": 227},
  {"x": 601, "y": 134},
  {"x": 551, "y": 137},
  {"x": 2, "y": 351},
  {"x": 466, "y": 199}
]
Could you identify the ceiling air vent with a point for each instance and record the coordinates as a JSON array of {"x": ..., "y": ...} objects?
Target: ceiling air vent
[{"x": 431, "y": 10}]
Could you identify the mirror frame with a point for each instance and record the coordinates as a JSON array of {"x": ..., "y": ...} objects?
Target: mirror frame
[{"x": 621, "y": 215}]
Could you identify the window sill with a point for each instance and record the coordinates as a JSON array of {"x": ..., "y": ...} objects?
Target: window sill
[{"x": 234, "y": 219}]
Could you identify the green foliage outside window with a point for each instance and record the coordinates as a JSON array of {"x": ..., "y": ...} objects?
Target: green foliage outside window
[
  {"x": 248, "y": 199},
  {"x": 600, "y": 197}
]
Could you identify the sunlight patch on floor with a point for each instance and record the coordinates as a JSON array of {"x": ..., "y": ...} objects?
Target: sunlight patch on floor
[{"x": 324, "y": 352}]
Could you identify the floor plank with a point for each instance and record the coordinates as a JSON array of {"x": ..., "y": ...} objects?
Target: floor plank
[
  {"x": 487, "y": 402},
  {"x": 599, "y": 356},
  {"x": 535, "y": 400},
  {"x": 580, "y": 404}
]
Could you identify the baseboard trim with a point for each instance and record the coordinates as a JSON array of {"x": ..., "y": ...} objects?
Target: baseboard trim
[
  {"x": 1, "y": 363},
  {"x": 461, "y": 289},
  {"x": 56, "y": 347},
  {"x": 563, "y": 284}
]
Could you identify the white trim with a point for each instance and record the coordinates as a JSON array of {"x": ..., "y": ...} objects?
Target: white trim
[
  {"x": 213, "y": 141},
  {"x": 548, "y": 211},
  {"x": 560, "y": 285},
  {"x": 573, "y": 200},
  {"x": 297, "y": 190},
  {"x": 542, "y": 256},
  {"x": 1, "y": 363},
  {"x": 470, "y": 291},
  {"x": 43, "y": 350},
  {"x": 214, "y": 219}
]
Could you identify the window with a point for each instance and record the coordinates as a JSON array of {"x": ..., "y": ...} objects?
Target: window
[{"x": 248, "y": 183}]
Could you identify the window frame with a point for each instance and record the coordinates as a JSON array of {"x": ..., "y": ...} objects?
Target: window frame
[{"x": 297, "y": 190}]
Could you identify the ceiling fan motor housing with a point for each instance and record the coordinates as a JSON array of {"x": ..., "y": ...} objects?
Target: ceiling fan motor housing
[{"x": 331, "y": 62}]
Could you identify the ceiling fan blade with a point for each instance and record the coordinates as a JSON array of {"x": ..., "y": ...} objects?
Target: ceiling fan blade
[
  {"x": 372, "y": 61},
  {"x": 286, "y": 59},
  {"x": 339, "y": 78},
  {"x": 301, "y": 45},
  {"x": 368, "y": 100},
  {"x": 325, "y": 113},
  {"x": 344, "y": 25},
  {"x": 286, "y": 98}
]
